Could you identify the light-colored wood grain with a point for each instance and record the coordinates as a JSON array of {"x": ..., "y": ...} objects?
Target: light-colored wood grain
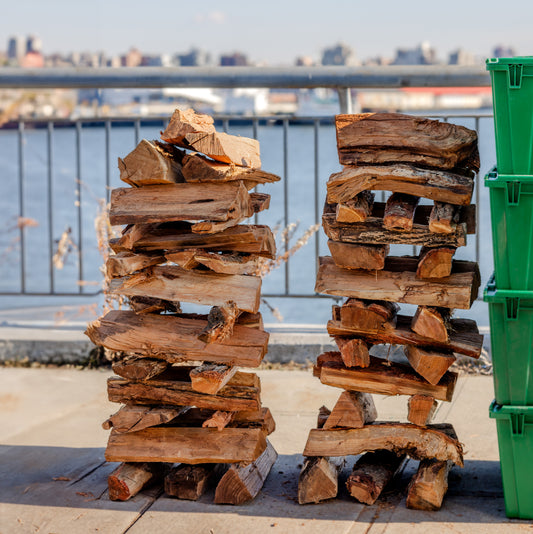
[
  {"x": 435, "y": 263},
  {"x": 429, "y": 485},
  {"x": 353, "y": 409},
  {"x": 133, "y": 417},
  {"x": 125, "y": 263},
  {"x": 218, "y": 420},
  {"x": 432, "y": 323},
  {"x": 354, "y": 351},
  {"x": 443, "y": 218},
  {"x": 130, "y": 478},
  {"x": 430, "y": 364},
  {"x": 319, "y": 479},
  {"x": 183, "y": 122},
  {"x": 421, "y": 409},
  {"x": 357, "y": 209},
  {"x": 219, "y": 263},
  {"x": 211, "y": 378}
]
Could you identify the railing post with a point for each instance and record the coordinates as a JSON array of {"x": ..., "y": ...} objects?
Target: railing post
[{"x": 345, "y": 99}]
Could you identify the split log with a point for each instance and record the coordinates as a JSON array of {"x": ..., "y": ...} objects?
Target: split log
[
  {"x": 187, "y": 445},
  {"x": 371, "y": 473},
  {"x": 170, "y": 282},
  {"x": 130, "y": 478},
  {"x": 151, "y": 163},
  {"x": 242, "y": 482},
  {"x": 220, "y": 323},
  {"x": 429, "y": 485},
  {"x": 252, "y": 320},
  {"x": 400, "y": 211},
  {"x": 383, "y": 377},
  {"x": 132, "y": 417},
  {"x": 432, "y": 323},
  {"x": 369, "y": 315},
  {"x": 421, "y": 409},
  {"x": 218, "y": 420},
  {"x": 175, "y": 339},
  {"x": 397, "y": 282},
  {"x": 432, "y": 365},
  {"x": 352, "y": 256},
  {"x": 179, "y": 202},
  {"x": 435, "y": 262},
  {"x": 184, "y": 258},
  {"x": 355, "y": 210},
  {"x": 139, "y": 368},
  {"x": 190, "y": 482},
  {"x": 211, "y": 378},
  {"x": 352, "y": 410},
  {"x": 354, "y": 351},
  {"x": 323, "y": 414},
  {"x": 464, "y": 336},
  {"x": 197, "y": 168},
  {"x": 378, "y": 138},
  {"x": 174, "y": 388},
  {"x": 184, "y": 122},
  {"x": 444, "y": 218},
  {"x": 125, "y": 263},
  {"x": 254, "y": 239},
  {"x": 437, "y": 185},
  {"x": 319, "y": 479},
  {"x": 402, "y": 438},
  {"x": 225, "y": 263},
  {"x": 142, "y": 305}
]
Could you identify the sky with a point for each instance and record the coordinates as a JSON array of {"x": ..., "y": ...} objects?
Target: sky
[{"x": 274, "y": 31}]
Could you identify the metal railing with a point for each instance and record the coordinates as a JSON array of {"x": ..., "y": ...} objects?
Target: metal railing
[{"x": 340, "y": 78}]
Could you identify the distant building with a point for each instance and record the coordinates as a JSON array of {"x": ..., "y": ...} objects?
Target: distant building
[
  {"x": 194, "y": 58},
  {"x": 32, "y": 60},
  {"x": 304, "y": 61},
  {"x": 340, "y": 54},
  {"x": 423, "y": 54},
  {"x": 34, "y": 44},
  {"x": 234, "y": 60},
  {"x": 132, "y": 59},
  {"x": 461, "y": 57},
  {"x": 15, "y": 48},
  {"x": 503, "y": 51}
]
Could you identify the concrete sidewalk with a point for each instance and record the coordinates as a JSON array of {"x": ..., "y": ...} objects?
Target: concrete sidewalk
[{"x": 50, "y": 427}]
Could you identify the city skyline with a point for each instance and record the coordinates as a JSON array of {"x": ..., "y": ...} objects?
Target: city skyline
[{"x": 275, "y": 34}]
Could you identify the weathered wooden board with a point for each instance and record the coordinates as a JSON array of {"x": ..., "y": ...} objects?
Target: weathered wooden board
[
  {"x": 397, "y": 282},
  {"x": 175, "y": 339}
]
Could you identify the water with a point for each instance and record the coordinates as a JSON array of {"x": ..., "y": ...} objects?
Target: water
[{"x": 300, "y": 176}]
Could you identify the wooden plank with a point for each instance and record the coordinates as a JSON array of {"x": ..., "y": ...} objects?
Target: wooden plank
[
  {"x": 187, "y": 445},
  {"x": 170, "y": 282},
  {"x": 421, "y": 409},
  {"x": 357, "y": 209},
  {"x": 138, "y": 368},
  {"x": 210, "y": 378},
  {"x": 397, "y": 282},
  {"x": 354, "y": 351},
  {"x": 197, "y": 168},
  {"x": 242, "y": 482},
  {"x": 353, "y": 409},
  {"x": 151, "y": 163},
  {"x": 130, "y": 478},
  {"x": 437, "y": 185},
  {"x": 402, "y": 438},
  {"x": 254, "y": 239},
  {"x": 133, "y": 417},
  {"x": 190, "y": 482},
  {"x": 464, "y": 336},
  {"x": 435, "y": 262},
  {"x": 220, "y": 323},
  {"x": 432, "y": 323},
  {"x": 353, "y": 256},
  {"x": 125, "y": 263},
  {"x": 383, "y": 377},
  {"x": 400, "y": 211},
  {"x": 319, "y": 479},
  {"x": 174, "y": 388},
  {"x": 175, "y": 339},
  {"x": 184, "y": 122},
  {"x": 371, "y": 474},
  {"x": 428, "y": 486},
  {"x": 394, "y": 137},
  {"x": 430, "y": 364}
]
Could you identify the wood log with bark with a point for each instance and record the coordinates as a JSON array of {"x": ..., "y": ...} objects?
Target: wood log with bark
[
  {"x": 220, "y": 322},
  {"x": 242, "y": 482},
  {"x": 367, "y": 314},
  {"x": 175, "y": 339},
  {"x": 400, "y": 211},
  {"x": 383, "y": 377},
  {"x": 125, "y": 263},
  {"x": 319, "y": 479},
  {"x": 353, "y": 409},
  {"x": 435, "y": 262},
  {"x": 358, "y": 209},
  {"x": 136, "y": 368},
  {"x": 211, "y": 378},
  {"x": 190, "y": 482},
  {"x": 421, "y": 409},
  {"x": 428, "y": 486},
  {"x": 377, "y": 138},
  {"x": 130, "y": 478},
  {"x": 443, "y": 218},
  {"x": 354, "y": 351},
  {"x": 183, "y": 122},
  {"x": 133, "y": 417},
  {"x": 353, "y": 256},
  {"x": 432, "y": 323},
  {"x": 224, "y": 263},
  {"x": 397, "y": 282},
  {"x": 371, "y": 474}
]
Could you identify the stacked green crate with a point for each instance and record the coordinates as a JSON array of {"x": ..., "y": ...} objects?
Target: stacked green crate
[{"x": 510, "y": 292}]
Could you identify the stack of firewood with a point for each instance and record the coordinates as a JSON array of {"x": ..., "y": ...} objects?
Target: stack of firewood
[
  {"x": 184, "y": 400},
  {"x": 411, "y": 157}
]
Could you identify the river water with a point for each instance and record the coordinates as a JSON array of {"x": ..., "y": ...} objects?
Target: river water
[{"x": 300, "y": 188}]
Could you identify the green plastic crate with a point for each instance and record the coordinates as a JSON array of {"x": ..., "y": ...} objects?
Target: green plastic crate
[
  {"x": 511, "y": 209},
  {"x": 514, "y": 425},
  {"x": 512, "y": 101},
  {"x": 511, "y": 337}
]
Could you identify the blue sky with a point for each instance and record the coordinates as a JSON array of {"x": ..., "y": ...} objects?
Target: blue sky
[{"x": 271, "y": 30}]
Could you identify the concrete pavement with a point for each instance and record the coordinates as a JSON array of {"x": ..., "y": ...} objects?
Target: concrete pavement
[{"x": 50, "y": 429}]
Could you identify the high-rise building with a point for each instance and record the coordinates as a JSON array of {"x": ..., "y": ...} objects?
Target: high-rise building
[
  {"x": 33, "y": 44},
  {"x": 340, "y": 54},
  {"x": 423, "y": 54},
  {"x": 15, "y": 48}
]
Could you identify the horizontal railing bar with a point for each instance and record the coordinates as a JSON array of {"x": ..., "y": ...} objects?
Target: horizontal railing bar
[
  {"x": 390, "y": 76},
  {"x": 45, "y": 294}
]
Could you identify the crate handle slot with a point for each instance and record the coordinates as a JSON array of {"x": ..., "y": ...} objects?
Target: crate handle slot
[
  {"x": 517, "y": 423},
  {"x": 515, "y": 76},
  {"x": 513, "y": 193},
  {"x": 512, "y": 304}
]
